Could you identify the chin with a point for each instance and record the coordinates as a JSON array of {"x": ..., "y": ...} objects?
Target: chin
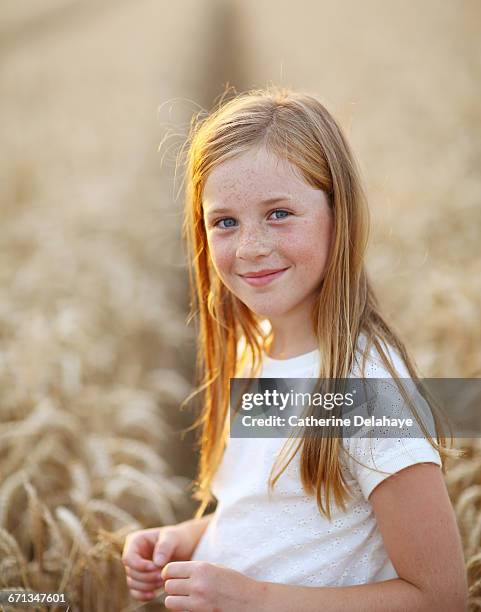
[{"x": 267, "y": 311}]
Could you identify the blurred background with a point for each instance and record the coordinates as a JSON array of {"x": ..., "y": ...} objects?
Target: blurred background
[{"x": 95, "y": 352}]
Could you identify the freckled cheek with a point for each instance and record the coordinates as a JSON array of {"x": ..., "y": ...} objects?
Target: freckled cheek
[
  {"x": 316, "y": 240},
  {"x": 309, "y": 247},
  {"x": 222, "y": 254}
]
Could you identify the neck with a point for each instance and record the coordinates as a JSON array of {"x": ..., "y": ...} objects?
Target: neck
[{"x": 282, "y": 346}]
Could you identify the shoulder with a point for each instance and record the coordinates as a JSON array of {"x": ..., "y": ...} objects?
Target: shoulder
[
  {"x": 372, "y": 459},
  {"x": 374, "y": 366}
]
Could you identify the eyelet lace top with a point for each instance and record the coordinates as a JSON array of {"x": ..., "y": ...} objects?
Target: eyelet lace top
[{"x": 284, "y": 538}]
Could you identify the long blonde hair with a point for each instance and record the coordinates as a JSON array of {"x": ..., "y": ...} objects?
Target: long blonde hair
[{"x": 296, "y": 127}]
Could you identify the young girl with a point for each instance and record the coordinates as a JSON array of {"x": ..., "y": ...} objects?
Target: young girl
[{"x": 276, "y": 223}]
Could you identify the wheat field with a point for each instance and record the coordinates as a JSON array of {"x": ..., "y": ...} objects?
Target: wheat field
[{"x": 95, "y": 353}]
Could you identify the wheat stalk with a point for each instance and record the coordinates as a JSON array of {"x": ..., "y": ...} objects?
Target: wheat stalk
[
  {"x": 9, "y": 545},
  {"x": 35, "y": 510}
]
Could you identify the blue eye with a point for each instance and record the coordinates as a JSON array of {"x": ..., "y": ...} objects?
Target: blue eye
[
  {"x": 282, "y": 211},
  {"x": 278, "y": 210},
  {"x": 226, "y": 219}
]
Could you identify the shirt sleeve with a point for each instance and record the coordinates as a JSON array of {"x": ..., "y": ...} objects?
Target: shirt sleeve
[{"x": 375, "y": 459}]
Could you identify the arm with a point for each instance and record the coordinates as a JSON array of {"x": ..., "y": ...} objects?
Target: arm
[
  {"x": 197, "y": 526},
  {"x": 421, "y": 538}
]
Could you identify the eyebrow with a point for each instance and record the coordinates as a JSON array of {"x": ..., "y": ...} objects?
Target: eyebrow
[{"x": 262, "y": 203}]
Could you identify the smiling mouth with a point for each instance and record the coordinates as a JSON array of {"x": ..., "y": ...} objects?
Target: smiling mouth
[
  {"x": 257, "y": 281},
  {"x": 261, "y": 275}
]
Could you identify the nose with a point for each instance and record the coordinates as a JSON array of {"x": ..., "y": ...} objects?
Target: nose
[{"x": 253, "y": 244}]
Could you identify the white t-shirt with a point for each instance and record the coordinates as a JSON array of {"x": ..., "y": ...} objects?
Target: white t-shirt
[{"x": 285, "y": 538}]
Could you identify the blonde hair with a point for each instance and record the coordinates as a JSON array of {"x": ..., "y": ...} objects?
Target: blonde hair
[{"x": 298, "y": 128}]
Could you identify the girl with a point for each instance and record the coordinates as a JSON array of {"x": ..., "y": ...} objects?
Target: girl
[{"x": 276, "y": 225}]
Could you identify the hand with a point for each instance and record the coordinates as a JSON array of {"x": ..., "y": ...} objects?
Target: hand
[
  {"x": 146, "y": 551},
  {"x": 198, "y": 586}
]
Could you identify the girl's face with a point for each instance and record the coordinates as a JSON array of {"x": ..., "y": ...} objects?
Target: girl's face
[{"x": 261, "y": 215}]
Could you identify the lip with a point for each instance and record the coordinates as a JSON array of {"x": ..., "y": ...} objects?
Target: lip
[
  {"x": 265, "y": 279},
  {"x": 264, "y": 272}
]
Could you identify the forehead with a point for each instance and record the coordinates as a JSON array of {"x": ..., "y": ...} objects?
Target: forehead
[{"x": 252, "y": 176}]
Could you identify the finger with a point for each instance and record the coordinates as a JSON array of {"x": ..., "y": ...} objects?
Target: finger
[
  {"x": 177, "y": 602},
  {"x": 143, "y": 586},
  {"x": 143, "y": 576},
  {"x": 164, "y": 548},
  {"x": 177, "y": 586},
  {"x": 178, "y": 569},
  {"x": 136, "y": 562},
  {"x": 142, "y": 595}
]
